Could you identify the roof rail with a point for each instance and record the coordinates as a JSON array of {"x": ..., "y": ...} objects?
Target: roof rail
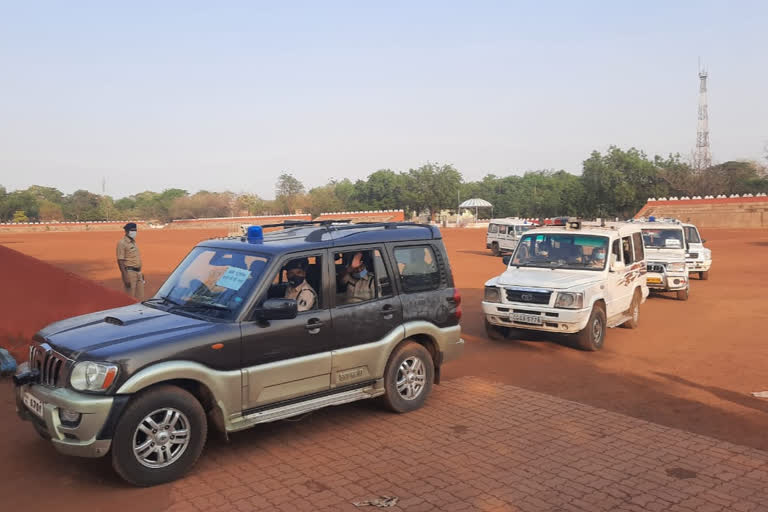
[{"x": 299, "y": 223}]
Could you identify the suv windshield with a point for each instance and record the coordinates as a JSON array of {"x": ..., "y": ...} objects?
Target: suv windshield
[
  {"x": 581, "y": 252},
  {"x": 663, "y": 238},
  {"x": 212, "y": 282}
]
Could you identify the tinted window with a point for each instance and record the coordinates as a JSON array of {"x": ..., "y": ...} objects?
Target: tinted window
[
  {"x": 361, "y": 276},
  {"x": 615, "y": 250},
  {"x": 626, "y": 249},
  {"x": 561, "y": 250},
  {"x": 418, "y": 268},
  {"x": 493, "y": 228},
  {"x": 637, "y": 240}
]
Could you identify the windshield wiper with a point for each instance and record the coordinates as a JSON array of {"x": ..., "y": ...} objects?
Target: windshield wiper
[
  {"x": 162, "y": 300},
  {"x": 202, "y": 305}
]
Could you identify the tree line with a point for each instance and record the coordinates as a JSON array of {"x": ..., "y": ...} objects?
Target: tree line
[{"x": 615, "y": 183}]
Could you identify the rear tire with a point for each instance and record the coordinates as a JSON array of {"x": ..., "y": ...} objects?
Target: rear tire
[
  {"x": 496, "y": 332},
  {"x": 592, "y": 337},
  {"x": 682, "y": 294},
  {"x": 495, "y": 249},
  {"x": 704, "y": 276},
  {"x": 159, "y": 437},
  {"x": 408, "y": 377},
  {"x": 634, "y": 311}
]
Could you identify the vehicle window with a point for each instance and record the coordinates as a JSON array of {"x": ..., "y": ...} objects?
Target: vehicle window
[
  {"x": 502, "y": 230},
  {"x": 615, "y": 250},
  {"x": 214, "y": 282},
  {"x": 663, "y": 238},
  {"x": 626, "y": 250},
  {"x": 493, "y": 228},
  {"x": 562, "y": 250},
  {"x": 418, "y": 268},
  {"x": 692, "y": 235},
  {"x": 637, "y": 242},
  {"x": 300, "y": 279},
  {"x": 359, "y": 276}
]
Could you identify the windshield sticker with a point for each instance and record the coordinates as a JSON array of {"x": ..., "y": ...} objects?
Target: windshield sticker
[{"x": 233, "y": 278}]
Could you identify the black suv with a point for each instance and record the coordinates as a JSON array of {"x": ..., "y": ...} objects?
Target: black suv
[{"x": 246, "y": 331}]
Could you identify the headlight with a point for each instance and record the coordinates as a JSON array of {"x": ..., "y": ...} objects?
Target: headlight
[
  {"x": 676, "y": 267},
  {"x": 492, "y": 294},
  {"x": 569, "y": 300},
  {"x": 90, "y": 376}
]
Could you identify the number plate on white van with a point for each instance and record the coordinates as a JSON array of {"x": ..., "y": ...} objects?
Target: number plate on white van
[{"x": 526, "y": 318}]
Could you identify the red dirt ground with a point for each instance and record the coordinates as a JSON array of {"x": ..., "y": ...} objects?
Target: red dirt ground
[{"x": 690, "y": 365}]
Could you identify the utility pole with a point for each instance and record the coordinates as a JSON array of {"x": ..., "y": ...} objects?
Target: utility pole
[{"x": 703, "y": 153}]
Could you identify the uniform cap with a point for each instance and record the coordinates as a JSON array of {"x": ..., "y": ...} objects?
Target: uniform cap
[
  {"x": 300, "y": 263},
  {"x": 130, "y": 226}
]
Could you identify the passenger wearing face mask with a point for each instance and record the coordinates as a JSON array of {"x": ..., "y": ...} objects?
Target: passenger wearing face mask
[
  {"x": 129, "y": 262},
  {"x": 358, "y": 280},
  {"x": 298, "y": 287},
  {"x": 598, "y": 257}
]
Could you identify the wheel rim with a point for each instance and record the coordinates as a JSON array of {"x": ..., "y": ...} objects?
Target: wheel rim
[
  {"x": 161, "y": 438},
  {"x": 597, "y": 331},
  {"x": 411, "y": 377}
]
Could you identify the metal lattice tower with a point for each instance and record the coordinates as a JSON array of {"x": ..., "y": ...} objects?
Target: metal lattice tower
[{"x": 703, "y": 153}]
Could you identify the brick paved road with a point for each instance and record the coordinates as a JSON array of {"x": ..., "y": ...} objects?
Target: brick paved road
[{"x": 475, "y": 446}]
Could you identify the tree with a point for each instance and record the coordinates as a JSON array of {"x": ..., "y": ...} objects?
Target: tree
[
  {"x": 20, "y": 216},
  {"x": 288, "y": 192},
  {"x": 431, "y": 188},
  {"x": 82, "y": 205},
  {"x": 50, "y": 211},
  {"x": 324, "y": 200}
]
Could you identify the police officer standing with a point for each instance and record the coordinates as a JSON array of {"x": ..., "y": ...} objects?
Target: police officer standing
[
  {"x": 129, "y": 262},
  {"x": 298, "y": 287}
]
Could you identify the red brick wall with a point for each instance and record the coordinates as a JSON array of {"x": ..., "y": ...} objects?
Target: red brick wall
[{"x": 724, "y": 212}]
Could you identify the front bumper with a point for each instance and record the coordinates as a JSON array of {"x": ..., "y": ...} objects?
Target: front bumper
[
  {"x": 667, "y": 282},
  {"x": 80, "y": 440},
  {"x": 698, "y": 266},
  {"x": 568, "y": 321}
]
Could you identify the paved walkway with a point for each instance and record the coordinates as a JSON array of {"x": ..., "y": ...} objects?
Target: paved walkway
[{"x": 476, "y": 445}]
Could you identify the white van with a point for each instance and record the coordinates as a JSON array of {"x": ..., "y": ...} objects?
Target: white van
[
  {"x": 503, "y": 234},
  {"x": 665, "y": 244},
  {"x": 698, "y": 257},
  {"x": 572, "y": 279}
]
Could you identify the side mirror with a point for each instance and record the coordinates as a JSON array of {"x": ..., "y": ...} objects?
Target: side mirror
[
  {"x": 703, "y": 241},
  {"x": 617, "y": 266},
  {"x": 278, "y": 309},
  {"x": 506, "y": 259}
]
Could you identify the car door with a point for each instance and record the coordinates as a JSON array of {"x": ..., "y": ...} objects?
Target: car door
[
  {"x": 286, "y": 359},
  {"x": 614, "y": 293},
  {"x": 363, "y": 327}
]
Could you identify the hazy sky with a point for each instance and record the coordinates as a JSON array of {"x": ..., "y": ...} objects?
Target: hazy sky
[{"x": 226, "y": 95}]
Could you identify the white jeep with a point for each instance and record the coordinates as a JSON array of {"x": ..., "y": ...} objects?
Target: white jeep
[
  {"x": 503, "y": 234},
  {"x": 698, "y": 257},
  {"x": 573, "y": 279},
  {"x": 664, "y": 241}
]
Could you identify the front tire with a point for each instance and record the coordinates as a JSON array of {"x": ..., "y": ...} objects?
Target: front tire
[
  {"x": 634, "y": 311},
  {"x": 496, "y": 332},
  {"x": 495, "y": 249},
  {"x": 704, "y": 276},
  {"x": 592, "y": 337},
  {"x": 159, "y": 437},
  {"x": 408, "y": 377},
  {"x": 682, "y": 294}
]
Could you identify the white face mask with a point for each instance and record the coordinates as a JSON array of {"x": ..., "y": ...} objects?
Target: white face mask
[{"x": 132, "y": 234}]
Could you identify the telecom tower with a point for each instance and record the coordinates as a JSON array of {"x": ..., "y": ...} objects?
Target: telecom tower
[{"x": 703, "y": 154}]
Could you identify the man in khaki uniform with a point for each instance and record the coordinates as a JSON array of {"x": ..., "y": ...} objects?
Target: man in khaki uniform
[
  {"x": 298, "y": 287},
  {"x": 360, "y": 283},
  {"x": 129, "y": 262}
]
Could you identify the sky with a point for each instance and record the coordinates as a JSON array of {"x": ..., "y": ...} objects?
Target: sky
[{"x": 228, "y": 95}]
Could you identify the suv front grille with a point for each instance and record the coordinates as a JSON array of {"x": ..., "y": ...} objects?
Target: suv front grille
[
  {"x": 693, "y": 255},
  {"x": 529, "y": 297},
  {"x": 656, "y": 267},
  {"x": 49, "y": 363}
]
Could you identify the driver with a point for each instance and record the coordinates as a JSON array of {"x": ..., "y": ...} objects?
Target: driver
[
  {"x": 298, "y": 287},
  {"x": 598, "y": 257}
]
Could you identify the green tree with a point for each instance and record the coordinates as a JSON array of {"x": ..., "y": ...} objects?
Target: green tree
[
  {"x": 50, "y": 211},
  {"x": 431, "y": 188},
  {"x": 82, "y": 205},
  {"x": 288, "y": 192},
  {"x": 20, "y": 216}
]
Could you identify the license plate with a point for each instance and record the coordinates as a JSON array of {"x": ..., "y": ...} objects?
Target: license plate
[
  {"x": 525, "y": 318},
  {"x": 33, "y": 404},
  {"x": 654, "y": 280}
]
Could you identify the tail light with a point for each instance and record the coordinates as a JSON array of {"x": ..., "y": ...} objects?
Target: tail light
[{"x": 456, "y": 300}]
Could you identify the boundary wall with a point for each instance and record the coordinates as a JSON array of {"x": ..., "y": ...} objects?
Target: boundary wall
[{"x": 712, "y": 212}]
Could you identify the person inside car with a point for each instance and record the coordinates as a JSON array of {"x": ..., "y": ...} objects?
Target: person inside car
[
  {"x": 298, "y": 287},
  {"x": 358, "y": 280},
  {"x": 598, "y": 257}
]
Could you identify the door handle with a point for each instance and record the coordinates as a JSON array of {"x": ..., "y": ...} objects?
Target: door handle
[
  {"x": 313, "y": 325},
  {"x": 388, "y": 311}
]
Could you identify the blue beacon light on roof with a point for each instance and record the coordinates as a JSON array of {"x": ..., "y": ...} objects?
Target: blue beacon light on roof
[{"x": 255, "y": 234}]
